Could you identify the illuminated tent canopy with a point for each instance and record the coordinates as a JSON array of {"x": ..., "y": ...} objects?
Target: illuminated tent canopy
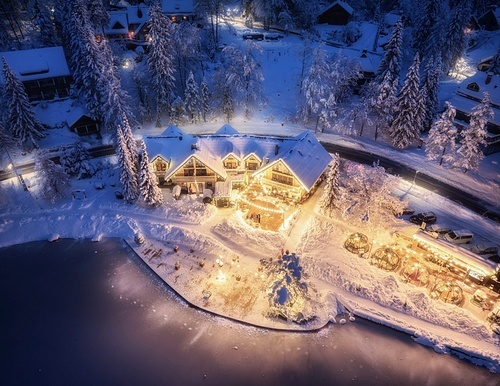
[
  {"x": 357, "y": 243},
  {"x": 386, "y": 258}
]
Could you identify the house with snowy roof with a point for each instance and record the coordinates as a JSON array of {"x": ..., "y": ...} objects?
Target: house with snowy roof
[
  {"x": 337, "y": 13},
  {"x": 288, "y": 166},
  {"x": 44, "y": 72},
  {"x": 80, "y": 121},
  {"x": 178, "y": 10},
  {"x": 469, "y": 94},
  {"x": 490, "y": 20}
]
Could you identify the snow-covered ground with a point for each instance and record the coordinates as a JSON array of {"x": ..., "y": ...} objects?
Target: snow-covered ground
[{"x": 340, "y": 279}]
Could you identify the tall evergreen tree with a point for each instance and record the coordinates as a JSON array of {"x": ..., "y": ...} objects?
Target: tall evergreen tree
[
  {"x": 430, "y": 85},
  {"x": 150, "y": 193},
  {"x": 442, "y": 136},
  {"x": 454, "y": 40},
  {"x": 470, "y": 153},
  {"x": 21, "y": 120},
  {"x": 205, "y": 99},
  {"x": 332, "y": 193},
  {"x": 178, "y": 111},
  {"x": 405, "y": 128},
  {"x": 227, "y": 103},
  {"x": 7, "y": 144},
  {"x": 188, "y": 57},
  {"x": 42, "y": 23},
  {"x": 391, "y": 61},
  {"x": 160, "y": 60},
  {"x": 128, "y": 168},
  {"x": 428, "y": 31},
  {"x": 98, "y": 15},
  {"x": 192, "y": 99}
]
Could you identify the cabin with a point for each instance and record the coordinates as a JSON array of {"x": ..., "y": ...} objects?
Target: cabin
[
  {"x": 44, "y": 72},
  {"x": 469, "y": 95},
  {"x": 291, "y": 167},
  {"x": 128, "y": 23},
  {"x": 490, "y": 20},
  {"x": 178, "y": 10},
  {"x": 337, "y": 13},
  {"x": 80, "y": 122}
]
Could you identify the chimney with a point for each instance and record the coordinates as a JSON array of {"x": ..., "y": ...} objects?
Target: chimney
[
  {"x": 276, "y": 148},
  {"x": 488, "y": 77}
]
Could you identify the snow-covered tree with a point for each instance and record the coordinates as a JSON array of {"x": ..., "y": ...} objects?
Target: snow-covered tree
[
  {"x": 53, "y": 181},
  {"x": 454, "y": 41},
  {"x": 178, "y": 111},
  {"x": 227, "y": 105},
  {"x": 21, "y": 120},
  {"x": 442, "y": 136},
  {"x": 391, "y": 61},
  {"x": 204, "y": 99},
  {"x": 127, "y": 167},
  {"x": 192, "y": 99},
  {"x": 428, "y": 31},
  {"x": 473, "y": 138},
  {"x": 244, "y": 73},
  {"x": 430, "y": 85},
  {"x": 7, "y": 144},
  {"x": 211, "y": 10},
  {"x": 42, "y": 23},
  {"x": 151, "y": 194},
  {"x": 332, "y": 192},
  {"x": 315, "y": 86},
  {"x": 161, "y": 61},
  {"x": 367, "y": 195},
  {"x": 286, "y": 21},
  {"x": 188, "y": 56},
  {"x": 78, "y": 161},
  {"x": 405, "y": 128},
  {"x": 267, "y": 11},
  {"x": 98, "y": 15}
]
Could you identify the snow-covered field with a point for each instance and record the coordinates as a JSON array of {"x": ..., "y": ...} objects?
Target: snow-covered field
[{"x": 341, "y": 280}]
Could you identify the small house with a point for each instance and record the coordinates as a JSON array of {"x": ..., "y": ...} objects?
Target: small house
[
  {"x": 178, "y": 10},
  {"x": 337, "y": 13},
  {"x": 80, "y": 122},
  {"x": 44, "y": 72},
  {"x": 470, "y": 94},
  {"x": 490, "y": 20}
]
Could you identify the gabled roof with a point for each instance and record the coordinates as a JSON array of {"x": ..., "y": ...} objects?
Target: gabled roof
[
  {"x": 485, "y": 82},
  {"x": 118, "y": 23},
  {"x": 226, "y": 130},
  {"x": 39, "y": 63},
  {"x": 342, "y": 4},
  {"x": 302, "y": 154},
  {"x": 75, "y": 114}
]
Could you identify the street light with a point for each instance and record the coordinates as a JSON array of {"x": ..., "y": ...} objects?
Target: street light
[{"x": 415, "y": 177}]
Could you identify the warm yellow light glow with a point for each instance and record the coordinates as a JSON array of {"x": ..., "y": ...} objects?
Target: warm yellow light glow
[{"x": 221, "y": 276}]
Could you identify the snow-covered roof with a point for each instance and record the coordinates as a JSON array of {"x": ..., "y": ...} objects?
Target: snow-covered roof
[
  {"x": 302, "y": 154},
  {"x": 138, "y": 14},
  {"x": 343, "y": 4},
  {"x": 226, "y": 130},
  {"x": 485, "y": 82},
  {"x": 121, "y": 20},
  {"x": 177, "y": 6},
  {"x": 75, "y": 114},
  {"x": 391, "y": 18},
  {"x": 38, "y": 63},
  {"x": 118, "y": 23}
]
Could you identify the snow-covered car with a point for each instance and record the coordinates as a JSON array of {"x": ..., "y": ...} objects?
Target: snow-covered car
[
  {"x": 436, "y": 230},
  {"x": 427, "y": 217},
  {"x": 462, "y": 236},
  {"x": 484, "y": 249},
  {"x": 253, "y": 36}
]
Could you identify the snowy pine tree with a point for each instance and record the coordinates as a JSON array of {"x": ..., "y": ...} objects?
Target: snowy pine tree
[
  {"x": 427, "y": 34},
  {"x": 42, "y": 23},
  {"x": 98, "y": 15},
  {"x": 78, "y": 161},
  {"x": 128, "y": 168},
  {"x": 178, "y": 111},
  {"x": 150, "y": 193},
  {"x": 7, "y": 144},
  {"x": 205, "y": 99},
  {"x": 192, "y": 99},
  {"x": 405, "y": 128},
  {"x": 470, "y": 153},
  {"x": 21, "y": 120},
  {"x": 160, "y": 60},
  {"x": 442, "y": 136},
  {"x": 391, "y": 62},
  {"x": 332, "y": 193},
  {"x": 454, "y": 40},
  {"x": 430, "y": 85},
  {"x": 53, "y": 181}
]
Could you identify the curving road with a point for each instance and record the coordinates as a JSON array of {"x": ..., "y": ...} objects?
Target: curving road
[
  {"x": 425, "y": 181},
  {"x": 393, "y": 167}
]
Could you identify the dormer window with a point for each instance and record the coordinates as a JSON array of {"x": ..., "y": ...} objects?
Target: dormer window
[{"x": 473, "y": 86}]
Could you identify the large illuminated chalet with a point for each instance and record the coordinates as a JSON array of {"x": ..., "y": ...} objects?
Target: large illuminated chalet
[{"x": 288, "y": 166}]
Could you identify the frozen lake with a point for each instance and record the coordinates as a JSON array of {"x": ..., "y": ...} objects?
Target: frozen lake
[{"x": 75, "y": 312}]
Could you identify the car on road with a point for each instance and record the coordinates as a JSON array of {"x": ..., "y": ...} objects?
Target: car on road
[
  {"x": 436, "y": 230},
  {"x": 484, "y": 249},
  {"x": 425, "y": 217},
  {"x": 462, "y": 236}
]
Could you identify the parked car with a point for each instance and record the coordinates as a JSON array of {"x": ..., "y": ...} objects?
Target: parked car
[
  {"x": 436, "y": 230},
  {"x": 484, "y": 249},
  {"x": 462, "y": 236},
  {"x": 253, "y": 36},
  {"x": 427, "y": 217}
]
